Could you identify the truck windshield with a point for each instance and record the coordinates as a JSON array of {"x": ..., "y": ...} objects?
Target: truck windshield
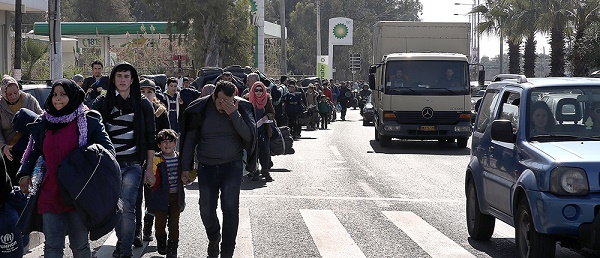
[
  {"x": 564, "y": 114},
  {"x": 430, "y": 77}
]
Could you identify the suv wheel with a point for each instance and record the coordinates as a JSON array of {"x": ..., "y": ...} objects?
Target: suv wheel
[
  {"x": 462, "y": 142},
  {"x": 531, "y": 243},
  {"x": 480, "y": 226}
]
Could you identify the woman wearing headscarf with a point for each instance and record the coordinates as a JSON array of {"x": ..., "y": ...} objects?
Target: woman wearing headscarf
[
  {"x": 264, "y": 112},
  {"x": 11, "y": 101},
  {"x": 65, "y": 125}
]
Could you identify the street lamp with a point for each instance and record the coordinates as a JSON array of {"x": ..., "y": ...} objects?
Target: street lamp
[{"x": 475, "y": 36}]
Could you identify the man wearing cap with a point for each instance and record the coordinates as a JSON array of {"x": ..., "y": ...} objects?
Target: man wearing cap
[
  {"x": 78, "y": 78},
  {"x": 11, "y": 101}
]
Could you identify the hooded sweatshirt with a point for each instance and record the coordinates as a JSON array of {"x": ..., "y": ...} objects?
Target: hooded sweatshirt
[{"x": 121, "y": 115}]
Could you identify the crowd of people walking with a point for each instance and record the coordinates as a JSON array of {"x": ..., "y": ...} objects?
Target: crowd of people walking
[{"x": 158, "y": 140}]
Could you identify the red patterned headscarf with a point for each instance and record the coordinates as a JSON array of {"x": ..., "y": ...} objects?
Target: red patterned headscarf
[{"x": 258, "y": 102}]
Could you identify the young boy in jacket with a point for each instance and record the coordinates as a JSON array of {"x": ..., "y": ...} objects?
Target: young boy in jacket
[{"x": 167, "y": 197}]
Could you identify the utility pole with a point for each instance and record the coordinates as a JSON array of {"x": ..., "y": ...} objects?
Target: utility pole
[
  {"x": 318, "y": 5},
  {"x": 18, "y": 39},
  {"x": 283, "y": 38},
  {"x": 56, "y": 71}
]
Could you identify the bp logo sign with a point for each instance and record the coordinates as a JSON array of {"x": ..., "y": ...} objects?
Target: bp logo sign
[{"x": 340, "y": 31}]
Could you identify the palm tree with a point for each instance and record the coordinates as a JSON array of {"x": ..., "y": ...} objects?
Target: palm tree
[
  {"x": 526, "y": 23},
  {"x": 555, "y": 21},
  {"x": 582, "y": 13},
  {"x": 496, "y": 16}
]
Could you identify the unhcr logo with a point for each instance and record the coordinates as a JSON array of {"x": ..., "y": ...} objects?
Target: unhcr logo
[{"x": 8, "y": 243}]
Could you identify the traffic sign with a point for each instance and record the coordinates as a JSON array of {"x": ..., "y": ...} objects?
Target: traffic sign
[{"x": 354, "y": 62}]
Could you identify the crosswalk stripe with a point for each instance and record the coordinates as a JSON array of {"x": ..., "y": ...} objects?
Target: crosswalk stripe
[
  {"x": 243, "y": 241},
  {"x": 336, "y": 152},
  {"x": 426, "y": 236},
  {"x": 503, "y": 230},
  {"x": 108, "y": 247},
  {"x": 329, "y": 235}
]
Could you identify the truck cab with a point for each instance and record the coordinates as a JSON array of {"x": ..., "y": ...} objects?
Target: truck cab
[
  {"x": 420, "y": 81},
  {"x": 423, "y": 96}
]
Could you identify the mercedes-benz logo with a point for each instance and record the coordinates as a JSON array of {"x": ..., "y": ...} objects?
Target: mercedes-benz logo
[{"x": 427, "y": 113}]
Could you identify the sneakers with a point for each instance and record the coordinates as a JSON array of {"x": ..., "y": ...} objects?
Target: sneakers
[
  {"x": 268, "y": 178},
  {"x": 161, "y": 245},
  {"x": 117, "y": 252},
  {"x": 213, "y": 247},
  {"x": 172, "y": 248},
  {"x": 147, "y": 232},
  {"x": 137, "y": 241}
]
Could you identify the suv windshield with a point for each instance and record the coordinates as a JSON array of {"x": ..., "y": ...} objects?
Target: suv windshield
[
  {"x": 563, "y": 114},
  {"x": 427, "y": 78}
]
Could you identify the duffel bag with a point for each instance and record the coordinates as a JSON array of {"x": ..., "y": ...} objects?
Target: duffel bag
[
  {"x": 276, "y": 143},
  {"x": 304, "y": 118},
  {"x": 287, "y": 138}
]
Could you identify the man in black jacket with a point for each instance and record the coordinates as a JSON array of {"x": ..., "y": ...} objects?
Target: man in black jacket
[
  {"x": 94, "y": 84},
  {"x": 129, "y": 121},
  {"x": 344, "y": 98},
  {"x": 218, "y": 128}
]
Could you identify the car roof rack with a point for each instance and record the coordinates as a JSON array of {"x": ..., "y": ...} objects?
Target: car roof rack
[{"x": 519, "y": 77}]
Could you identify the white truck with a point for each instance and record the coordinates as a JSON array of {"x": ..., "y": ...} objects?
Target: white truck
[{"x": 420, "y": 81}]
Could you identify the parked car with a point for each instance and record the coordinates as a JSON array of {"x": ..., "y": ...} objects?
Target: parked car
[
  {"x": 39, "y": 91},
  {"x": 537, "y": 170}
]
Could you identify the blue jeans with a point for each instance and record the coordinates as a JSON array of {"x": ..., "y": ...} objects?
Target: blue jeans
[
  {"x": 56, "y": 227},
  {"x": 131, "y": 174},
  {"x": 226, "y": 178}
]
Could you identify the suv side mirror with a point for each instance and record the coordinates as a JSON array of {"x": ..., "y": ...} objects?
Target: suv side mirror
[{"x": 502, "y": 130}]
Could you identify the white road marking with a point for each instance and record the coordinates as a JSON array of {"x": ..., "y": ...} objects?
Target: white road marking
[
  {"x": 108, "y": 247},
  {"x": 503, "y": 230},
  {"x": 342, "y": 198},
  {"x": 329, "y": 235},
  {"x": 426, "y": 236},
  {"x": 336, "y": 152},
  {"x": 372, "y": 193},
  {"x": 243, "y": 246},
  {"x": 36, "y": 252}
]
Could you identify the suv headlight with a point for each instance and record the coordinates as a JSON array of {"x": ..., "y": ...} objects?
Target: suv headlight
[{"x": 569, "y": 181}]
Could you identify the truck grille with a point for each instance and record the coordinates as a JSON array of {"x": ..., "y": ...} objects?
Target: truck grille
[{"x": 416, "y": 118}]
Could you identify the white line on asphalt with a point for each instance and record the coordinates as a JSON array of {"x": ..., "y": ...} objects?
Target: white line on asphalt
[
  {"x": 329, "y": 235},
  {"x": 336, "y": 152},
  {"x": 426, "y": 236},
  {"x": 364, "y": 168},
  {"x": 244, "y": 247},
  {"x": 503, "y": 230},
  {"x": 36, "y": 252},
  {"x": 372, "y": 193},
  {"x": 341, "y": 198},
  {"x": 108, "y": 247}
]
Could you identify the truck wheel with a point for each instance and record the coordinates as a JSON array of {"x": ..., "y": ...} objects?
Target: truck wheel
[
  {"x": 462, "y": 142},
  {"x": 385, "y": 141},
  {"x": 531, "y": 243},
  {"x": 377, "y": 135},
  {"x": 480, "y": 226}
]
